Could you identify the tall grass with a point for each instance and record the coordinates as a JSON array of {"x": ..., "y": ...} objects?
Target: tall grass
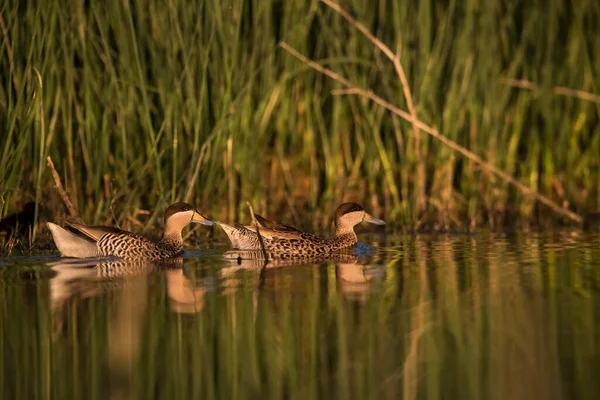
[
  {"x": 453, "y": 317},
  {"x": 140, "y": 103}
]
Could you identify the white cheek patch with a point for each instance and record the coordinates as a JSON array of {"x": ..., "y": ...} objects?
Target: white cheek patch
[
  {"x": 177, "y": 221},
  {"x": 185, "y": 218},
  {"x": 353, "y": 218}
]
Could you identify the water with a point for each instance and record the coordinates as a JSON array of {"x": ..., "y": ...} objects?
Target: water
[{"x": 483, "y": 316}]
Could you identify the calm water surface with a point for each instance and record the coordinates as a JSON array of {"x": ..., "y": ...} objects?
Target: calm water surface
[{"x": 483, "y": 316}]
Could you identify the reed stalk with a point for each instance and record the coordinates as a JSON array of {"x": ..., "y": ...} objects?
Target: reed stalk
[{"x": 171, "y": 101}]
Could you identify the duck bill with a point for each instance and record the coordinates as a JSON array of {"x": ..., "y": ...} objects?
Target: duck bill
[
  {"x": 199, "y": 219},
  {"x": 372, "y": 220}
]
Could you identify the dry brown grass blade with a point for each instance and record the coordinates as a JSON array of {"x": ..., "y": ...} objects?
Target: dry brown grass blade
[
  {"x": 260, "y": 239},
  {"x": 61, "y": 190},
  {"x": 559, "y": 90},
  {"x": 395, "y": 59},
  {"x": 353, "y": 89}
]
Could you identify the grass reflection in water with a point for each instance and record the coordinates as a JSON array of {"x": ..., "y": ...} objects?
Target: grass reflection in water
[{"x": 483, "y": 316}]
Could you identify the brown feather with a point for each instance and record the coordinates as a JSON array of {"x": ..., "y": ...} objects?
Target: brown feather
[
  {"x": 95, "y": 232},
  {"x": 274, "y": 225}
]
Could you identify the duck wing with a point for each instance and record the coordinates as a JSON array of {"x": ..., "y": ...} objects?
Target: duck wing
[
  {"x": 273, "y": 229},
  {"x": 276, "y": 230},
  {"x": 95, "y": 232},
  {"x": 275, "y": 226}
]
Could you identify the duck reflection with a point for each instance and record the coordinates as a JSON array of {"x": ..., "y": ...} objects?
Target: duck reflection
[
  {"x": 94, "y": 277},
  {"x": 353, "y": 273},
  {"x": 129, "y": 283}
]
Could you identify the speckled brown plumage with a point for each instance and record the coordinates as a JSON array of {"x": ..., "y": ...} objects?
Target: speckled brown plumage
[
  {"x": 82, "y": 241},
  {"x": 301, "y": 245},
  {"x": 283, "y": 241},
  {"x": 130, "y": 246}
]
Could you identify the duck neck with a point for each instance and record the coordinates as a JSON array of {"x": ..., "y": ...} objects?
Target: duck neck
[
  {"x": 172, "y": 238},
  {"x": 345, "y": 237},
  {"x": 344, "y": 231}
]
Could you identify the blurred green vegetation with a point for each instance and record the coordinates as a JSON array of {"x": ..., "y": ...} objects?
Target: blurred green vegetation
[
  {"x": 463, "y": 317},
  {"x": 143, "y": 102}
]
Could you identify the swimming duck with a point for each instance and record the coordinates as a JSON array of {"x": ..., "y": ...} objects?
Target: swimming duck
[
  {"x": 82, "y": 241},
  {"x": 284, "y": 241}
]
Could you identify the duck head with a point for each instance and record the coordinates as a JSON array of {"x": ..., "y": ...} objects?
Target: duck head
[
  {"x": 178, "y": 215},
  {"x": 348, "y": 215}
]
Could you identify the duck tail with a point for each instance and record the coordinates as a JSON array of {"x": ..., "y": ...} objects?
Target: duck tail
[
  {"x": 72, "y": 245},
  {"x": 239, "y": 236},
  {"x": 231, "y": 232}
]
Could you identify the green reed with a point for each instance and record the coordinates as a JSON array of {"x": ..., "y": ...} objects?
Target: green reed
[{"x": 140, "y": 103}]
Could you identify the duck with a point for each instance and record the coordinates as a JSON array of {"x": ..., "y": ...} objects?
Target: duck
[
  {"x": 283, "y": 241},
  {"x": 84, "y": 241}
]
